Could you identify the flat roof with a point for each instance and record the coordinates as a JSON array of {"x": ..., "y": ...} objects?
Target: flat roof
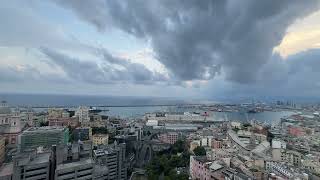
[
  {"x": 100, "y": 135},
  {"x": 202, "y": 159},
  {"x": 265, "y": 145},
  {"x": 105, "y": 151},
  {"x": 44, "y": 128},
  {"x": 215, "y": 166},
  {"x": 74, "y": 164},
  {"x": 40, "y": 158}
]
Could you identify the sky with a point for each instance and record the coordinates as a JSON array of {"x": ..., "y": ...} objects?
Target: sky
[{"x": 187, "y": 49}]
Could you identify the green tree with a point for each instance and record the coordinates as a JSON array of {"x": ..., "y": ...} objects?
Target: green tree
[
  {"x": 175, "y": 161},
  {"x": 174, "y": 176},
  {"x": 178, "y": 147},
  {"x": 71, "y": 137},
  {"x": 164, "y": 163},
  {"x": 199, "y": 151},
  {"x": 185, "y": 159},
  {"x": 99, "y": 130},
  {"x": 44, "y": 123}
]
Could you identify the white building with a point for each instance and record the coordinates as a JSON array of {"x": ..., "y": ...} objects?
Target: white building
[
  {"x": 206, "y": 141},
  {"x": 235, "y": 124},
  {"x": 83, "y": 114},
  {"x": 279, "y": 168},
  {"x": 278, "y": 144},
  {"x": 278, "y": 147},
  {"x": 152, "y": 123}
]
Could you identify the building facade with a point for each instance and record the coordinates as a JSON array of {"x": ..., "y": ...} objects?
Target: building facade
[
  {"x": 10, "y": 123},
  {"x": 291, "y": 157},
  {"x": 296, "y": 131},
  {"x": 2, "y": 149},
  {"x": 82, "y": 134},
  {"x": 43, "y": 137},
  {"x": 100, "y": 139},
  {"x": 6, "y": 171},
  {"x": 170, "y": 137},
  {"x": 216, "y": 144},
  {"x": 114, "y": 158},
  {"x": 83, "y": 114},
  {"x": 82, "y": 169},
  {"x": 55, "y": 113},
  {"x": 32, "y": 166},
  {"x": 64, "y": 121},
  {"x": 202, "y": 168}
]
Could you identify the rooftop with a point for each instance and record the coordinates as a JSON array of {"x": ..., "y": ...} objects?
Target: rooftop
[
  {"x": 262, "y": 147},
  {"x": 5, "y": 110},
  {"x": 6, "y": 170},
  {"x": 74, "y": 164},
  {"x": 215, "y": 166},
  {"x": 44, "y": 129},
  {"x": 101, "y": 152},
  {"x": 294, "y": 152},
  {"x": 202, "y": 159},
  {"x": 33, "y": 158},
  {"x": 40, "y": 158},
  {"x": 100, "y": 135}
]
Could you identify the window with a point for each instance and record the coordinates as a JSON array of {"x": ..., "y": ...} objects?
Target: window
[
  {"x": 39, "y": 174},
  {"x": 28, "y": 170},
  {"x": 84, "y": 175},
  {"x": 66, "y": 173},
  {"x": 85, "y": 169}
]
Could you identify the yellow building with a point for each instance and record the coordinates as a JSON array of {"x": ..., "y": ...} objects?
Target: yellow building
[
  {"x": 2, "y": 149},
  {"x": 99, "y": 139},
  {"x": 194, "y": 144},
  {"x": 55, "y": 113},
  {"x": 313, "y": 166}
]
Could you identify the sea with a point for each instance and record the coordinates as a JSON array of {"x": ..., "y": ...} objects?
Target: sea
[{"x": 134, "y": 107}]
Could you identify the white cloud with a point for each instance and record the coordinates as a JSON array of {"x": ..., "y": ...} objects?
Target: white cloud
[{"x": 303, "y": 35}]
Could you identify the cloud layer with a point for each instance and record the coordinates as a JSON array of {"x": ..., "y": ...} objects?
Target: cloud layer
[
  {"x": 221, "y": 47},
  {"x": 296, "y": 76},
  {"x": 195, "y": 39},
  {"x": 111, "y": 70}
]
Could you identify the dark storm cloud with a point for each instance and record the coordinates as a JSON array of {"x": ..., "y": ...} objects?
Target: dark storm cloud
[
  {"x": 295, "y": 76},
  {"x": 195, "y": 39},
  {"x": 304, "y": 72},
  {"x": 112, "y": 69}
]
